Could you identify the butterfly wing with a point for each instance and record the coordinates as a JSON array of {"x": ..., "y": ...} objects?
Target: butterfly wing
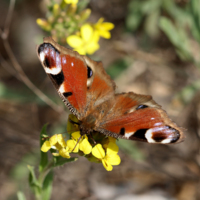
[
  {"x": 138, "y": 117},
  {"x": 81, "y": 82}
]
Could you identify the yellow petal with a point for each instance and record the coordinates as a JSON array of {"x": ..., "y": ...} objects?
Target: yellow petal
[
  {"x": 86, "y": 32},
  {"x": 76, "y": 135},
  {"x": 98, "y": 151},
  {"x": 71, "y": 144},
  {"x": 46, "y": 146},
  {"x": 71, "y": 1},
  {"x": 74, "y": 41},
  {"x": 95, "y": 37},
  {"x": 112, "y": 148},
  {"x": 107, "y": 165},
  {"x": 92, "y": 47},
  {"x": 100, "y": 21},
  {"x": 107, "y": 26},
  {"x": 105, "y": 34},
  {"x": 64, "y": 153},
  {"x": 56, "y": 140},
  {"x": 85, "y": 146},
  {"x": 113, "y": 159},
  {"x": 81, "y": 50}
]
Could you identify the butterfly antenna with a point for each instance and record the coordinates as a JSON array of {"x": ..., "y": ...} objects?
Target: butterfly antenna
[
  {"x": 92, "y": 138},
  {"x": 77, "y": 143}
]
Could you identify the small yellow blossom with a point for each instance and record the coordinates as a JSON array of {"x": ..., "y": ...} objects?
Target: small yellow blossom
[
  {"x": 55, "y": 9},
  {"x": 79, "y": 142},
  {"x": 43, "y": 24},
  {"x": 103, "y": 28},
  {"x": 87, "y": 42},
  {"x": 71, "y": 1},
  {"x": 109, "y": 157},
  {"x": 56, "y": 142}
]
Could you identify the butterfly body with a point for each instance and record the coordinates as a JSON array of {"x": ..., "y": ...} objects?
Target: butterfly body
[{"x": 89, "y": 94}]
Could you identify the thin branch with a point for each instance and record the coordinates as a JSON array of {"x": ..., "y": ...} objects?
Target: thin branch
[
  {"x": 6, "y": 30},
  {"x": 16, "y": 65},
  {"x": 26, "y": 80}
]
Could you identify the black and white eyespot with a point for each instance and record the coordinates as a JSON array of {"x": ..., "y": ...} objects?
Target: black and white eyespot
[
  {"x": 142, "y": 106},
  {"x": 90, "y": 75},
  {"x": 89, "y": 72},
  {"x": 50, "y": 58},
  {"x": 163, "y": 135}
]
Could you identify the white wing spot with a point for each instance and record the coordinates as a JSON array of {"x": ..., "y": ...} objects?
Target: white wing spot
[
  {"x": 166, "y": 141},
  {"x": 148, "y": 136},
  {"x": 42, "y": 56},
  {"x": 62, "y": 89},
  {"x": 128, "y": 135}
]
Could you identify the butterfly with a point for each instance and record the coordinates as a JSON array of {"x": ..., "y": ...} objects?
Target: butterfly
[{"x": 89, "y": 93}]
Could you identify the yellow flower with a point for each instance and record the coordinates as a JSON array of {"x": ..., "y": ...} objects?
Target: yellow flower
[
  {"x": 56, "y": 9},
  {"x": 43, "y": 24},
  {"x": 109, "y": 157},
  {"x": 56, "y": 142},
  {"x": 87, "y": 42},
  {"x": 71, "y": 1},
  {"x": 79, "y": 142},
  {"x": 103, "y": 28}
]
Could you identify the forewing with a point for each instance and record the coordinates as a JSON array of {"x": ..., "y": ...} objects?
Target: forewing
[
  {"x": 68, "y": 72},
  {"x": 81, "y": 82}
]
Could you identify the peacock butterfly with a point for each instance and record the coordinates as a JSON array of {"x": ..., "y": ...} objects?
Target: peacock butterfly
[{"x": 89, "y": 93}]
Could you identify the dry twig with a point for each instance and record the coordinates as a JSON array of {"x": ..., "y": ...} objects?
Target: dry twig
[{"x": 4, "y": 35}]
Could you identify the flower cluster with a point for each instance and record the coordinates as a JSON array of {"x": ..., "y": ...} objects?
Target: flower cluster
[
  {"x": 66, "y": 22},
  {"x": 96, "y": 149}
]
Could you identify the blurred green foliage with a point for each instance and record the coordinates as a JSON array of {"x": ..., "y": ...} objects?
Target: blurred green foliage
[{"x": 177, "y": 22}]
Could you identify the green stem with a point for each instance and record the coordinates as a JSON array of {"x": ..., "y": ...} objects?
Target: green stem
[{"x": 44, "y": 172}]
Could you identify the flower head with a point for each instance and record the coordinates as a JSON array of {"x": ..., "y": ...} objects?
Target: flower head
[
  {"x": 86, "y": 42},
  {"x": 79, "y": 142},
  {"x": 95, "y": 147},
  {"x": 108, "y": 157},
  {"x": 103, "y": 28},
  {"x": 58, "y": 143}
]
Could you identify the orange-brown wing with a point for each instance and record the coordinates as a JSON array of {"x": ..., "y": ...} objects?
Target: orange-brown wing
[
  {"x": 138, "y": 117},
  {"x": 81, "y": 83}
]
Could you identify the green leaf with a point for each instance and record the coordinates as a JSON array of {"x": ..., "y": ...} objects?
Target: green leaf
[
  {"x": 134, "y": 17},
  {"x": 43, "y": 156},
  {"x": 47, "y": 186},
  {"x": 177, "y": 36},
  {"x": 33, "y": 182},
  {"x": 20, "y": 196},
  {"x": 194, "y": 9},
  {"x": 150, "y": 6},
  {"x": 133, "y": 21},
  {"x": 59, "y": 161},
  {"x": 151, "y": 24}
]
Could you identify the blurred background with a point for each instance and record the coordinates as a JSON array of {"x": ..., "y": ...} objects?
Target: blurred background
[{"x": 154, "y": 49}]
